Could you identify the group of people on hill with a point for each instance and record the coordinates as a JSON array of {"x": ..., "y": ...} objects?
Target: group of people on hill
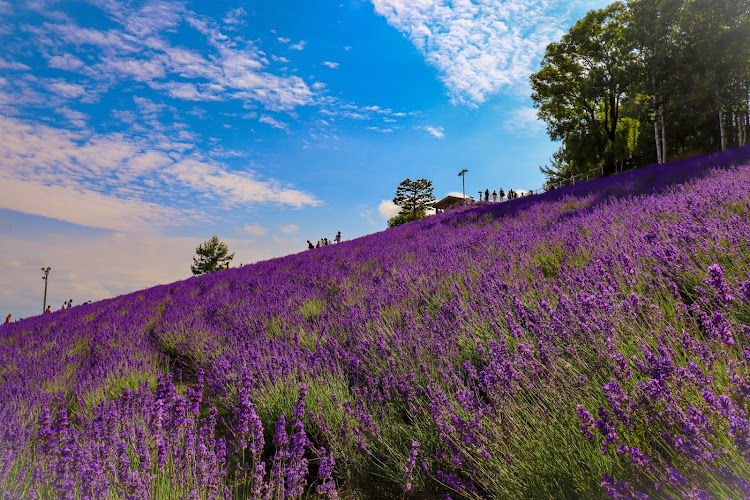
[
  {"x": 66, "y": 305},
  {"x": 324, "y": 242},
  {"x": 499, "y": 195}
]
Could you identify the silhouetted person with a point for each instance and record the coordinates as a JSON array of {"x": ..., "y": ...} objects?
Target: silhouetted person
[
  {"x": 494, "y": 195},
  {"x": 501, "y": 194},
  {"x": 310, "y": 246},
  {"x": 8, "y": 319},
  {"x": 337, "y": 239},
  {"x": 48, "y": 310},
  {"x": 486, "y": 195}
]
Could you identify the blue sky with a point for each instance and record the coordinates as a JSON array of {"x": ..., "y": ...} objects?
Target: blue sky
[{"x": 132, "y": 131}]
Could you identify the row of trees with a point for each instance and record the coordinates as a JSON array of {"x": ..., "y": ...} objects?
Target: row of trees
[{"x": 650, "y": 80}]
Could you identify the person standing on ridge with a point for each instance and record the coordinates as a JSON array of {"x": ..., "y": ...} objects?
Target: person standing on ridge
[
  {"x": 48, "y": 310},
  {"x": 310, "y": 246},
  {"x": 8, "y": 319},
  {"x": 337, "y": 239},
  {"x": 486, "y": 195},
  {"x": 494, "y": 195}
]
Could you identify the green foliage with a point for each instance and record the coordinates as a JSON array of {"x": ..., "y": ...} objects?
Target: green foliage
[
  {"x": 679, "y": 69},
  {"x": 582, "y": 83},
  {"x": 212, "y": 255},
  {"x": 404, "y": 217}
]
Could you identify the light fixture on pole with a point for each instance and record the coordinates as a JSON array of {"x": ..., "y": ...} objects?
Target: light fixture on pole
[
  {"x": 45, "y": 278},
  {"x": 462, "y": 175}
]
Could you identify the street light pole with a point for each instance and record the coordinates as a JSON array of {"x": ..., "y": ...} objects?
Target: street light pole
[
  {"x": 45, "y": 278},
  {"x": 462, "y": 174}
]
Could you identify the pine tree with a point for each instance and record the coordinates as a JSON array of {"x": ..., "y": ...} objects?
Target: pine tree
[{"x": 212, "y": 255}]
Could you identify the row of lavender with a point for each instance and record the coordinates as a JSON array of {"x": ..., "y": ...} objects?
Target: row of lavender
[{"x": 586, "y": 342}]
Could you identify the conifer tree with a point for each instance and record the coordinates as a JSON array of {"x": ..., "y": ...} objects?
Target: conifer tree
[{"x": 212, "y": 255}]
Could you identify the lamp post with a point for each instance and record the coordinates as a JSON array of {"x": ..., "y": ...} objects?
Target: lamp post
[
  {"x": 462, "y": 175},
  {"x": 45, "y": 278}
]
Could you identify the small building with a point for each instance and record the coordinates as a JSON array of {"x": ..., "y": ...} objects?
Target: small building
[{"x": 449, "y": 201}]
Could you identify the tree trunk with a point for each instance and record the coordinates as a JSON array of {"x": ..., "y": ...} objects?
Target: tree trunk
[
  {"x": 664, "y": 148},
  {"x": 656, "y": 122},
  {"x": 656, "y": 137},
  {"x": 722, "y": 129}
]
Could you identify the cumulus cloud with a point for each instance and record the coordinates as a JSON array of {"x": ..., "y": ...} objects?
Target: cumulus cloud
[
  {"x": 332, "y": 65},
  {"x": 436, "y": 132},
  {"x": 479, "y": 46},
  {"x": 388, "y": 209}
]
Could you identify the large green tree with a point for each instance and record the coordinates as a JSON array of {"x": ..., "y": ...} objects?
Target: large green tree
[
  {"x": 211, "y": 255},
  {"x": 581, "y": 86},
  {"x": 414, "y": 198}
]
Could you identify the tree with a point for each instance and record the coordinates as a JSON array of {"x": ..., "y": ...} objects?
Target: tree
[
  {"x": 414, "y": 197},
  {"x": 581, "y": 86},
  {"x": 213, "y": 255}
]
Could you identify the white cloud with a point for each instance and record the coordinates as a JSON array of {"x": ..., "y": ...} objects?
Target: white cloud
[
  {"x": 269, "y": 120},
  {"x": 84, "y": 207},
  {"x": 478, "y": 46},
  {"x": 68, "y": 90},
  {"x": 524, "y": 121},
  {"x": 112, "y": 181},
  {"x": 67, "y": 62},
  {"x": 255, "y": 230},
  {"x": 12, "y": 65},
  {"x": 332, "y": 65},
  {"x": 283, "y": 39},
  {"x": 388, "y": 209},
  {"x": 235, "y": 16},
  {"x": 236, "y": 188},
  {"x": 436, "y": 132},
  {"x": 299, "y": 45},
  {"x": 289, "y": 229},
  {"x": 143, "y": 52},
  {"x": 76, "y": 118}
]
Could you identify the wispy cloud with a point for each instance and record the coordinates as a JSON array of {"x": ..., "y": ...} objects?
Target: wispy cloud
[
  {"x": 289, "y": 229},
  {"x": 235, "y": 16},
  {"x": 12, "y": 65},
  {"x": 332, "y": 65},
  {"x": 255, "y": 230},
  {"x": 480, "y": 46},
  {"x": 141, "y": 49},
  {"x": 299, "y": 45},
  {"x": 269, "y": 120},
  {"x": 436, "y": 132},
  {"x": 119, "y": 182},
  {"x": 524, "y": 121}
]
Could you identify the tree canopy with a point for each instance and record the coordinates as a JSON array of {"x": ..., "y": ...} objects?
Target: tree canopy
[
  {"x": 414, "y": 198},
  {"x": 678, "y": 67},
  {"x": 212, "y": 255}
]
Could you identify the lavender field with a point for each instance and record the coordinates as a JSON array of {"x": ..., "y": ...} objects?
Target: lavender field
[{"x": 590, "y": 342}]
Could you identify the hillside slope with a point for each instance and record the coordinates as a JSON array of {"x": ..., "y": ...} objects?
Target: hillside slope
[{"x": 588, "y": 342}]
